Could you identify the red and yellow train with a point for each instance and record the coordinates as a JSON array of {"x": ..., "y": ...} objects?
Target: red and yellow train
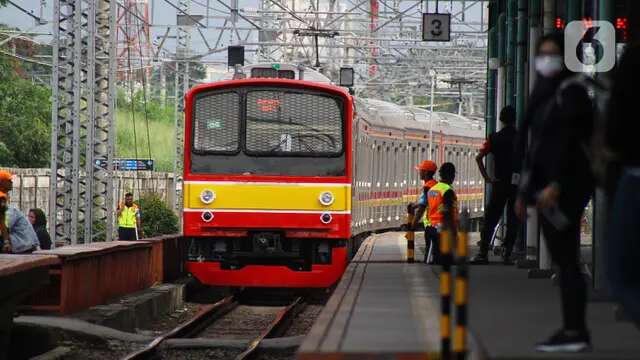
[{"x": 282, "y": 174}]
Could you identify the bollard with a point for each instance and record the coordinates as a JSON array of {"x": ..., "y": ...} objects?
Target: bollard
[
  {"x": 445, "y": 294},
  {"x": 410, "y": 236},
  {"x": 461, "y": 296}
]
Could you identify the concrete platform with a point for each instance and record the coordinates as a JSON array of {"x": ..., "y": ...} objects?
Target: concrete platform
[{"x": 384, "y": 308}]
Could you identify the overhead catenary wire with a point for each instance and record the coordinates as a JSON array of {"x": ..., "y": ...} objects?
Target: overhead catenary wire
[
  {"x": 132, "y": 101},
  {"x": 144, "y": 100}
]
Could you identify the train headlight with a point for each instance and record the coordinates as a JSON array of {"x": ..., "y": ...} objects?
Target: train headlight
[
  {"x": 207, "y": 216},
  {"x": 207, "y": 196},
  {"x": 326, "y": 218},
  {"x": 326, "y": 198}
]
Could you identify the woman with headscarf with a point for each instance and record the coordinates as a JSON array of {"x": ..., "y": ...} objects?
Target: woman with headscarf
[
  {"x": 558, "y": 180},
  {"x": 39, "y": 222}
]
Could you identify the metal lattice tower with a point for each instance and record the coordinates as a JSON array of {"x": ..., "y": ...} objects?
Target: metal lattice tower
[
  {"x": 133, "y": 37},
  {"x": 183, "y": 42},
  {"x": 82, "y": 120}
]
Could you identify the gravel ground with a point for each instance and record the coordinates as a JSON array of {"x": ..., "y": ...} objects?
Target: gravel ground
[
  {"x": 107, "y": 350},
  {"x": 199, "y": 354},
  {"x": 169, "y": 322},
  {"x": 243, "y": 322},
  {"x": 304, "y": 320}
]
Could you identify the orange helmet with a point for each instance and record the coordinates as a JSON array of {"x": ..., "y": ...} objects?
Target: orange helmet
[
  {"x": 427, "y": 165},
  {"x": 5, "y": 175}
]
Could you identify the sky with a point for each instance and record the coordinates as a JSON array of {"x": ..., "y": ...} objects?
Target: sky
[{"x": 163, "y": 13}]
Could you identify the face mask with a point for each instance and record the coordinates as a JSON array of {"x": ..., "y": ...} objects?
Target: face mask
[{"x": 549, "y": 65}]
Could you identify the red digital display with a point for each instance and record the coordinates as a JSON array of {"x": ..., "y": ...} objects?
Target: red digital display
[
  {"x": 268, "y": 105},
  {"x": 559, "y": 23},
  {"x": 622, "y": 27}
]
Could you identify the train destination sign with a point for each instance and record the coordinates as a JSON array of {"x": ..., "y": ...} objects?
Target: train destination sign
[{"x": 128, "y": 164}]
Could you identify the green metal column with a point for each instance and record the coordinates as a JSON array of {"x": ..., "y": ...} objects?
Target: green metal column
[
  {"x": 600, "y": 201},
  {"x": 574, "y": 10},
  {"x": 491, "y": 82},
  {"x": 502, "y": 57},
  {"x": 605, "y": 10},
  {"x": 511, "y": 53},
  {"x": 521, "y": 61}
]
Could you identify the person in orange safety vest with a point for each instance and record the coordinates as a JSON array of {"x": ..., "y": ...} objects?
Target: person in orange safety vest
[
  {"x": 427, "y": 169},
  {"x": 442, "y": 204}
]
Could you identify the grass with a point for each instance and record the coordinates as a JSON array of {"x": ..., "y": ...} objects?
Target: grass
[{"x": 161, "y": 134}]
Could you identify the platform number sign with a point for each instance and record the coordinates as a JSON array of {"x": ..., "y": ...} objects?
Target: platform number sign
[{"x": 436, "y": 27}]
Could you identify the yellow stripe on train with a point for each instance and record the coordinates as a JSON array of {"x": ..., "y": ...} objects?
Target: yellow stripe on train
[{"x": 282, "y": 196}]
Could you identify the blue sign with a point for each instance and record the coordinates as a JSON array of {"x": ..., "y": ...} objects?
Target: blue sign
[{"x": 128, "y": 164}]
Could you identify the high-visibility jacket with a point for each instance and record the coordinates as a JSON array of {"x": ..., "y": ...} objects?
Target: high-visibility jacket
[
  {"x": 428, "y": 184},
  {"x": 436, "y": 203},
  {"x": 128, "y": 216}
]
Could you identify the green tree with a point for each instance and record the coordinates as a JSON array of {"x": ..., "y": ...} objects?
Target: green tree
[
  {"x": 25, "y": 119},
  {"x": 157, "y": 218}
]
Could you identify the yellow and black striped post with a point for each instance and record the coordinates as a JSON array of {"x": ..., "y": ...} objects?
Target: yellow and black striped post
[
  {"x": 445, "y": 293},
  {"x": 461, "y": 295},
  {"x": 411, "y": 236}
]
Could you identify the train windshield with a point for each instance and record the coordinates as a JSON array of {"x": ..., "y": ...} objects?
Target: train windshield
[
  {"x": 268, "y": 130},
  {"x": 282, "y": 123}
]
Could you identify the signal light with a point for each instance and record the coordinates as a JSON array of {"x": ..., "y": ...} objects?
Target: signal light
[
  {"x": 559, "y": 23},
  {"x": 622, "y": 29},
  {"x": 622, "y": 23}
]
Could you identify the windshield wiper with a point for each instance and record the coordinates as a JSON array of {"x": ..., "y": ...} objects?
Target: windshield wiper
[
  {"x": 301, "y": 140},
  {"x": 278, "y": 121}
]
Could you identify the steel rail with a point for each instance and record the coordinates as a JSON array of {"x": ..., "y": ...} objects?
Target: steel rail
[
  {"x": 276, "y": 328},
  {"x": 202, "y": 319}
]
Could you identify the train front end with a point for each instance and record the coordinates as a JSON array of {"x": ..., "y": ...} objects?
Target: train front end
[{"x": 267, "y": 183}]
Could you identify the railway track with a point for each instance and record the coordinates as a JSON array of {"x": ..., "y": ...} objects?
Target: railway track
[{"x": 229, "y": 319}]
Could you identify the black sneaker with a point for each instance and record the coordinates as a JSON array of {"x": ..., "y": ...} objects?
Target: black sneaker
[
  {"x": 566, "y": 341},
  {"x": 506, "y": 260},
  {"x": 480, "y": 260}
]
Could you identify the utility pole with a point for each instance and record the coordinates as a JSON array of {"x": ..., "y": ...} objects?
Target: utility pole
[
  {"x": 433, "y": 89},
  {"x": 83, "y": 94},
  {"x": 163, "y": 85},
  {"x": 181, "y": 88}
]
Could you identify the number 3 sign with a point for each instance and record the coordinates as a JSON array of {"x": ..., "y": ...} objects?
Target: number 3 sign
[{"x": 436, "y": 27}]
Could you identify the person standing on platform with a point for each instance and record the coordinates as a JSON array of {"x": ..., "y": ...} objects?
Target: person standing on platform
[
  {"x": 39, "y": 222},
  {"x": 427, "y": 169},
  {"x": 442, "y": 203},
  {"x": 129, "y": 223},
  {"x": 503, "y": 192},
  {"x": 558, "y": 180},
  {"x": 622, "y": 243}
]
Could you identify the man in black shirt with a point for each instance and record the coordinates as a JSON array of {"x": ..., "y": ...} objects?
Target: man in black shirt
[{"x": 501, "y": 145}]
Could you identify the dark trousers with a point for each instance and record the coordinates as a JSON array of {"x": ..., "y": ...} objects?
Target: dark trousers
[
  {"x": 126, "y": 233},
  {"x": 432, "y": 238},
  {"x": 501, "y": 195},
  {"x": 564, "y": 247},
  {"x": 622, "y": 247}
]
